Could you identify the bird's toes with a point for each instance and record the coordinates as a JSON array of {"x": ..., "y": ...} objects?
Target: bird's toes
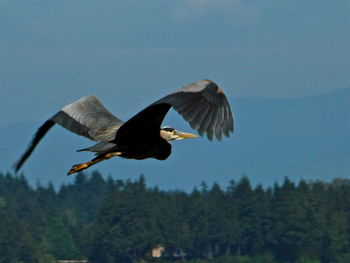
[{"x": 77, "y": 167}]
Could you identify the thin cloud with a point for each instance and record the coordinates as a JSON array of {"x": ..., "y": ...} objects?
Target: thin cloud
[{"x": 231, "y": 11}]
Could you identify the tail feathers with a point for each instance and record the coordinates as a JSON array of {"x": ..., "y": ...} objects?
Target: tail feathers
[
  {"x": 100, "y": 147},
  {"x": 83, "y": 150}
]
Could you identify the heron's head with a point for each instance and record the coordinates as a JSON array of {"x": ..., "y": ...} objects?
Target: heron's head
[{"x": 171, "y": 134}]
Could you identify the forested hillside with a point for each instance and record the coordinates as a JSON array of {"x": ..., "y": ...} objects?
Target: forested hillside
[{"x": 106, "y": 220}]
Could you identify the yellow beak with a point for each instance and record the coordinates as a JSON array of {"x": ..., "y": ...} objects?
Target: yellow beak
[{"x": 182, "y": 135}]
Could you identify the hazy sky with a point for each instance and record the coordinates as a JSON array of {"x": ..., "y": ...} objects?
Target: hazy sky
[{"x": 130, "y": 53}]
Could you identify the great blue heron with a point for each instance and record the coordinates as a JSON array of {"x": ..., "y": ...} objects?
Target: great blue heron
[{"x": 203, "y": 104}]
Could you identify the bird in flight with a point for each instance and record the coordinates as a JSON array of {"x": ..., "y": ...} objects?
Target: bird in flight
[{"x": 203, "y": 104}]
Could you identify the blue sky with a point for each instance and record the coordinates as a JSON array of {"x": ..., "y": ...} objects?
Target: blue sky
[{"x": 130, "y": 53}]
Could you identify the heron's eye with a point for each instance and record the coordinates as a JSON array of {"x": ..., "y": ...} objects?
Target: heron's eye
[{"x": 168, "y": 129}]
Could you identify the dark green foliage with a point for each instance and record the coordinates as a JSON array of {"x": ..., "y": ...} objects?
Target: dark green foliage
[
  {"x": 59, "y": 240},
  {"x": 16, "y": 244},
  {"x": 111, "y": 221},
  {"x": 126, "y": 226},
  {"x": 41, "y": 224}
]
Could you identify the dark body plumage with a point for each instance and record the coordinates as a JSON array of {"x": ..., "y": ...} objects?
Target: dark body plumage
[
  {"x": 203, "y": 104},
  {"x": 134, "y": 144}
]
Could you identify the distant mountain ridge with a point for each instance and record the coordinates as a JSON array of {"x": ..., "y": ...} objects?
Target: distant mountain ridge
[{"x": 306, "y": 137}]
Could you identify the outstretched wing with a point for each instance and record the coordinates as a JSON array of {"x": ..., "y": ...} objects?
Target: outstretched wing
[
  {"x": 86, "y": 117},
  {"x": 203, "y": 104},
  {"x": 89, "y": 118}
]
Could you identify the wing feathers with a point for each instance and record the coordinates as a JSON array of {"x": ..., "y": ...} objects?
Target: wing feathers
[
  {"x": 36, "y": 139},
  {"x": 68, "y": 122},
  {"x": 89, "y": 118},
  {"x": 86, "y": 117},
  {"x": 204, "y": 105},
  {"x": 211, "y": 125},
  {"x": 218, "y": 126},
  {"x": 190, "y": 111},
  {"x": 204, "y": 127},
  {"x": 202, "y": 112}
]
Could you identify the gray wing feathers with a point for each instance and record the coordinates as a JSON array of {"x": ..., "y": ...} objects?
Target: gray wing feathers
[
  {"x": 89, "y": 118},
  {"x": 86, "y": 117},
  {"x": 204, "y": 105}
]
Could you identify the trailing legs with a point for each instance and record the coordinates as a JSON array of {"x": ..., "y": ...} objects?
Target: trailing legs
[{"x": 101, "y": 157}]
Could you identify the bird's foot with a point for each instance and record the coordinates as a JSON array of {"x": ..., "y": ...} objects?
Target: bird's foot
[{"x": 77, "y": 168}]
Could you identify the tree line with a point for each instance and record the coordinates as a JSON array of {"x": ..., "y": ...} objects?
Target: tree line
[{"x": 107, "y": 221}]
